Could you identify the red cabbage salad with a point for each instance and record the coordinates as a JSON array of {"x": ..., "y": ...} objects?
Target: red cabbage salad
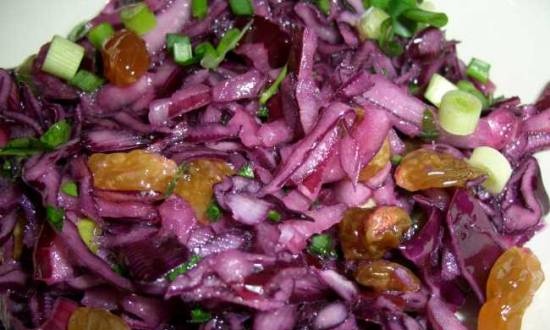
[{"x": 265, "y": 164}]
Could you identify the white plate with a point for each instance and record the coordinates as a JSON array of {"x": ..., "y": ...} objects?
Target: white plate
[{"x": 510, "y": 34}]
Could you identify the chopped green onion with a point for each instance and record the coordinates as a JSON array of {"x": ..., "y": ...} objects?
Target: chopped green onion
[
  {"x": 183, "y": 52},
  {"x": 88, "y": 231},
  {"x": 63, "y": 58},
  {"x": 429, "y": 128},
  {"x": 23, "y": 73},
  {"x": 321, "y": 245},
  {"x": 396, "y": 7},
  {"x": 427, "y": 17},
  {"x": 241, "y": 7},
  {"x": 459, "y": 112},
  {"x": 199, "y": 8},
  {"x": 263, "y": 112},
  {"x": 274, "y": 216},
  {"x": 479, "y": 70},
  {"x": 386, "y": 40},
  {"x": 274, "y": 88},
  {"x": 204, "y": 49},
  {"x": 86, "y": 81},
  {"x": 183, "y": 268},
  {"x": 228, "y": 42},
  {"x": 174, "y": 38},
  {"x": 180, "y": 172},
  {"x": 247, "y": 171},
  {"x": 100, "y": 33},
  {"x": 404, "y": 30},
  {"x": 213, "y": 212},
  {"x": 22, "y": 147},
  {"x": 55, "y": 216},
  {"x": 465, "y": 85},
  {"x": 382, "y": 4},
  {"x": 438, "y": 87},
  {"x": 58, "y": 134},
  {"x": 370, "y": 24},
  {"x": 79, "y": 31},
  {"x": 199, "y": 315},
  {"x": 495, "y": 165},
  {"x": 396, "y": 159},
  {"x": 231, "y": 38},
  {"x": 70, "y": 188},
  {"x": 138, "y": 18},
  {"x": 324, "y": 6}
]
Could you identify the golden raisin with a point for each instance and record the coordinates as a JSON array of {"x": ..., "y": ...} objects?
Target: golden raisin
[
  {"x": 85, "y": 318},
  {"x": 197, "y": 184},
  {"x": 377, "y": 163},
  {"x": 385, "y": 228},
  {"x": 383, "y": 275},
  {"x": 513, "y": 280},
  {"x": 125, "y": 58},
  {"x": 370, "y": 233},
  {"x": 425, "y": 169},
  {"x": 137, "y": 170}
]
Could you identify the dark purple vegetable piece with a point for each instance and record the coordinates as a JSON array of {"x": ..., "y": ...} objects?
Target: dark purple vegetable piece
[
  {"x": 475, "y": 241},
  {"x": 149, "y": 259},
  {"x": 525, "y": 200},
  {"x": 272, "y": 37},
  {"x": 61, "y": 313}
]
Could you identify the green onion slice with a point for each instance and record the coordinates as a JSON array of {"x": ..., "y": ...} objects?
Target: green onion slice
[
  {"x": 183, "y": 268},
  {"x": 386, "y": 39},
  {"x": 427, "y": 17},
  {"x": 459, "y": 112},
  {"x": 199, "y": 315},
  {"x": 182, "y": 51},
  {"x": 241, "y": 7},
  {"x": 138, "y": 18},
  {"x": 429, "y": 128},
  {"x": 274, "y": 88},
  {"x": 58, "y": 134},
  {"x": 70, "y": 188},
  {"x": 324, "y": 6},
  {"x": 88, "y": 231},
  {"x": 321, "y": 245},
  {"x": 478, "y": 70},
  {"x": 247, "y": 171},
  {"x": 199, "y": 8},
  {"x": 370, "y": 24},
  {"x": 79, "y": 31},
  {"x": 213, "y": 212},
  {"x": 263, "y": 112},
  {"x": 274, "y": 216},
  {"x": 497, "y": 167},
  {"x": 467, "y": 86},
  {"x": 228, "y": 42},
  {"x": 22, "y": 147},
  {"x": 438, "y": 87},
  {"x": 63, "y": 58},
  {"x": 100, "y": 33},
  {"x": 55, "y": 216},
  {"x": 86, "y": 81}
]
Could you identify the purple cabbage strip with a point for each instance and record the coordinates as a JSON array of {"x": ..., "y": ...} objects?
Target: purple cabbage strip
[{"x": 254, "y": 264}]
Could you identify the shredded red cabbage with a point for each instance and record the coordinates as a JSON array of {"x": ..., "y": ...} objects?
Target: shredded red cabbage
[{"x": 248, "y": 261}]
